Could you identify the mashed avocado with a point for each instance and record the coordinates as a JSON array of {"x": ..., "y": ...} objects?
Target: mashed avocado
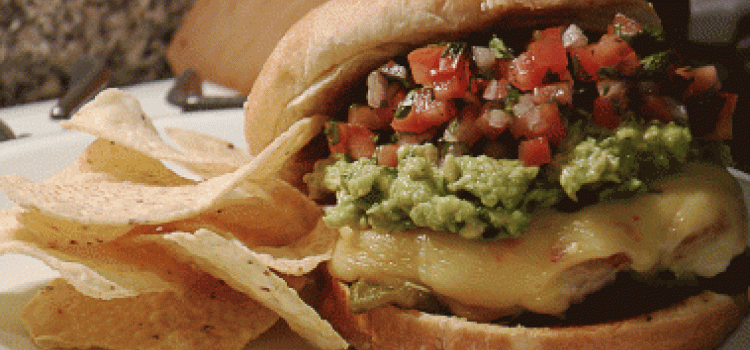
[
  {"x": 625, "y": 158},
  {"x": 476, "y": 197},
  {"x": 480, "y": 197}
]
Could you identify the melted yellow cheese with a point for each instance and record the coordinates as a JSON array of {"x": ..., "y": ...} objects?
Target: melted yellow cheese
[{"x": 695, "y": 225}]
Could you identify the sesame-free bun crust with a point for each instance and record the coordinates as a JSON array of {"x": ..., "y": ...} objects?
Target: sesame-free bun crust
[
  {"x": 320, "y": 58},
  {"x": 700, "y": 322}
]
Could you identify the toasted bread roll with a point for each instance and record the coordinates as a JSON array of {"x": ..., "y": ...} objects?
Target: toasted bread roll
[
  {"x": 700, "y": 322},
  {"x": 335, "y": 45}
]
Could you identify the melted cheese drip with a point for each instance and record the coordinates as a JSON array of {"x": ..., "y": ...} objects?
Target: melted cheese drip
[{"x": 696, "y": 225}]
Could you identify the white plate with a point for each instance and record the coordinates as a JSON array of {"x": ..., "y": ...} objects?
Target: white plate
[{"x": 39, "y": 158}]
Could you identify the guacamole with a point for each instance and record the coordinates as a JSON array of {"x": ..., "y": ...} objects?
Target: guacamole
[
  {"x": 625, "y": 158},
  {"x": 471, "y": 196},
  {"x": 479, "y": 197}
]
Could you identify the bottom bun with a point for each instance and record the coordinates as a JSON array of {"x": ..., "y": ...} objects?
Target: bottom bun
[{"x": 701, "y": 321}]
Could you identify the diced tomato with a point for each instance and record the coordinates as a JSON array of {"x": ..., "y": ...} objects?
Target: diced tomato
[
  {"x": 337, "y": 137},
  {"x": 425, "y": 112},
  {"x": 494, "y": 120},
  {"x": 413, "y": 139},
  {"x": 534, "y": 152},
  {"x": 353, "y": 140},
  {"x": 585, "y": 68},
  {"x": 423, "y": 62},
  {"x": 394, "y": 99},
  {"x": 560, "y": 93},
  {"x": 449, "y": 64},
  {"x": 611, "y": 50},
  {"x": 435, "y": 67},
  {"x": 549, "y": 50},
  {"x": 541, "y": 120},
  {"x": 604, "y": 113},
  {"x": 656, "y": 107},
  {"x": 723, "y": 129},
  {"x": 368, "y": 117},
  {"x": 387, "y": 155},
  {"x": 524, "y": 73},
  {"x": 629, "y": 65},
  {"x": 478, "y": 85},
  {"x": 362, "y": 145},
  {"x": 466, "y": 128},
  {"x": 455, "y": 86},
  {"x": 701, "y": 80},
  {"x": 546, "y": 54},
  {"x": 497, "y": 90},
  {"x": 501, "y": 68},
  {"x": 625, "y": 25}
]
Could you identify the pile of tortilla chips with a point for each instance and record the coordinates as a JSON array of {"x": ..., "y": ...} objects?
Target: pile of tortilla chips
[{"x": 206, "y": 253}]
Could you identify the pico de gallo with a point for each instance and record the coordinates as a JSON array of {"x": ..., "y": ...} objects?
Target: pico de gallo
[{"x": 473, "y": 139}]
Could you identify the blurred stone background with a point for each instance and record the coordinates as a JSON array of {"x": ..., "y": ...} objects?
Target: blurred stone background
[{"x": 40, "y": 40}]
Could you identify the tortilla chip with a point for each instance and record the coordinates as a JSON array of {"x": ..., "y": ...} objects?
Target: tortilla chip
[
  {"x": 286, "y": 207},
  {"x": 208, "y": 315},
  {"x": 104, "y": 271},
  {"x": 117, "y": 116},
  {"x": 201, "y": 146},
  {"x": 117, "y": 203},
  {"x": 102, "y": 161},
  {"x": 114, "y": 203},
  {"x": 299, "y": 257},
  {"x": 53, "y": 232},
  {"x": 273, "y": 158},
  {"x": 275, "y": 214},
  {"x": 229, "y": 260},
  {"x": 108, "y": 161}
]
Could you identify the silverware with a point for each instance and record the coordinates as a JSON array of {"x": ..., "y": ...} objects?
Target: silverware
[
  {"x": 5, "y": 132},
  {"x": 187, "y": 93},
  {"x": 89, "y": 76}
]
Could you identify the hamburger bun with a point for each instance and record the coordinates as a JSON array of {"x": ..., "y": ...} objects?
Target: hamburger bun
[
  {"x": 699, "y": 322},
  {"x": 321, "y": 57}
]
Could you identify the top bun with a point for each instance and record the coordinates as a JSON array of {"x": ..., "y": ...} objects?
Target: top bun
[{"x": 327, "y": 51}]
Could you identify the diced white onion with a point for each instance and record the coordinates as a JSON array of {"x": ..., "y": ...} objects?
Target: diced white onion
[
  {"x": 678, "y": 110},
  {"x": 377, "y": 86},
  {"x": 611, "y": 88},
  {"x": 573, "y": 36},
  {"x": 525, "y": 103},
  {"x": 483, "y": 57},
  {"x": 392, "y": 69}
]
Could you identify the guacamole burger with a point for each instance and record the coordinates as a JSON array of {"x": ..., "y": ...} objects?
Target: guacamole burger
[{"x": 512, "y": 175}]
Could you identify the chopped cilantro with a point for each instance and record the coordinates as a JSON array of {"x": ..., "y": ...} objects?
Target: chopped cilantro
[
  {"x": 511, "y": 99},
  {"x": 578, "y": 70},
  {"x": 500, "y": 50},
  {"x": 608, "y": 73},
  {"x": 657, "y": 63},
  {"x": 332, "y": 131},
  {"x": 405, "y": 106},
  {"x": 454, "y": 49}
]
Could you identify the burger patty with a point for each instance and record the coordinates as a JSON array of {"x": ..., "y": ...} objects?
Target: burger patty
[{"x": 631, "y": 295}]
